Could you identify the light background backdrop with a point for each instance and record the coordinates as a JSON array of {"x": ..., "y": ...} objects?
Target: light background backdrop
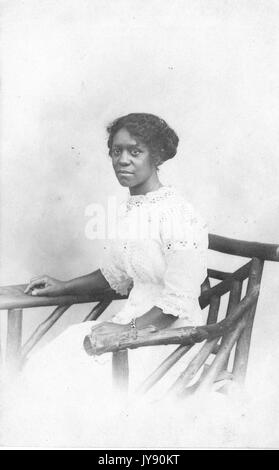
[{"x": 69, "y": 67}]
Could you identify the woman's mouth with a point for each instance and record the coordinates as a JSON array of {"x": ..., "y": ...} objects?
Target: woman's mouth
[{"x": 124, "y": 172}]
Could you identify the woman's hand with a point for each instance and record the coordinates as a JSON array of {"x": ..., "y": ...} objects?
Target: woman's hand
[
  {"x": 106, "y": 334},
  {"x": 45, "y": 286},
  {"x": 102, "y": 336}
]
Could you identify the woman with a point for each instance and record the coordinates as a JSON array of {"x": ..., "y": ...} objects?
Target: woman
[{"x": 163, "y": 267}]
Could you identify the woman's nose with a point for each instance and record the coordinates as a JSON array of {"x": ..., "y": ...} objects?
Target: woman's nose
[{"x": 124, "y": 158}]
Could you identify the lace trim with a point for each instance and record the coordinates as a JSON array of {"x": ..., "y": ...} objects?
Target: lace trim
[
  {"x": 180, "y": 305},
  {"x": 171, "y": 246},
  {"x": 151, "y": 197},
  {"x": 182, "y": 228},
  {"x": 120, "y": 284}
]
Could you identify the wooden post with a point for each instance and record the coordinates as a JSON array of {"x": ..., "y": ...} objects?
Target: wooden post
[
  {"x": 120, "y": 370},
  {"x": 14, "y": 337},
  {"x": 243, "y": 344}
]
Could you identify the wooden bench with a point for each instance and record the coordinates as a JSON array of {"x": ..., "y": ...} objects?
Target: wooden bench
[{"x": 226, "y": 336}]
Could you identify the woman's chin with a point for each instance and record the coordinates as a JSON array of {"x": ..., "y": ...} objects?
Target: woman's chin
[{"x": 125, "y": 183}]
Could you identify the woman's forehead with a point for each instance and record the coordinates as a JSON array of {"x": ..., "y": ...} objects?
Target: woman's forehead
[{"x": 124, "y": 138}]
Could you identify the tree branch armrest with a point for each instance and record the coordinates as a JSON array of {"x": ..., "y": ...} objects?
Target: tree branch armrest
[
  {"x": 14, "y": 297},
  {"x": 95, "y": 345},
  {"x": 231, "y": 246}
]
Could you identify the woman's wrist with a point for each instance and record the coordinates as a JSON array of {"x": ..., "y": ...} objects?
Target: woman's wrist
[
  {"x": 85, "y": 285},
  {"x": 77, "y": 286},
  {"x": 131, "y": 326},
  {"x": 68, "y": 287}
]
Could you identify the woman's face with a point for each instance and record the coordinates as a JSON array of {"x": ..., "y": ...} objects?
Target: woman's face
[{"x": 131, "y": 159}]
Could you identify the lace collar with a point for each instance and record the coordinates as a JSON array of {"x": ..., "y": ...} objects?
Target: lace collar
[{"x": 151, "y": 197}]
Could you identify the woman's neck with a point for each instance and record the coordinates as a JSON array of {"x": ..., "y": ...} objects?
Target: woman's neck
[{"x": 151, "y": 184}]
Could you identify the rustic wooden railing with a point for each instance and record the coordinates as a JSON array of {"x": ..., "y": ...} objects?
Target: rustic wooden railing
[{"x": 224, "y": 338}]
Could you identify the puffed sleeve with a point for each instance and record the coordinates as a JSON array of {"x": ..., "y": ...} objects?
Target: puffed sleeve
[
  {"x": 184, "y": 238},
  {"x": 113, "y": 270}
]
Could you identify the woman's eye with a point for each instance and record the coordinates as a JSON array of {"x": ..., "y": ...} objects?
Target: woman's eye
[
  {"x": 135, "y": 152},
  {"x": 115, "y": 152}
]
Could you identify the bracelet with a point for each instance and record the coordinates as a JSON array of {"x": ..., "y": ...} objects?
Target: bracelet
[
  {"x": 133, "y": 328},
  {"x": 133, "y": 323}
]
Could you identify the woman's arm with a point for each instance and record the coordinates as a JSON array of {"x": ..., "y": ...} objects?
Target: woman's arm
[
  {"x": 48, "y": 286},
  {"x": 154, "y": 317},
  {"x": 86, "y": 284}
]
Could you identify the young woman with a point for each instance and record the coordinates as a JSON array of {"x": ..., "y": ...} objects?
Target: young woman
[{"x": 161, "y": 267}]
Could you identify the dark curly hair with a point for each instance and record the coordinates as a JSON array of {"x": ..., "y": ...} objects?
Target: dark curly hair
[{"x": 154, "y": 132}]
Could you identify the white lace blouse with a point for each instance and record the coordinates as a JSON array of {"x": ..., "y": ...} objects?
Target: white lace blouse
[{"x": 159, "y": 254}]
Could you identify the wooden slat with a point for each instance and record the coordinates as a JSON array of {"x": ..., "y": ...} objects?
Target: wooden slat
[
  {"x": 97, "y": 310},
  {"x": 243, "y": 345},
  {"x": 14, "y": 338},
  {"x": 120, "y": 370},
  {"x": 164, "y": 367},
  {"x": 224, "y": 375},
  {"x": 213, "y": 310},
  {"x": 234, "y": 299},
  {"x": 179, "y": 352},
  {"x": 235, "y": 296},
  {"x": 213, "y": 316},
  {"x": 221, "y": 358},
  {"x": 205, "y": 285},
  {"x": 220, "y": 275},
  {"x": 216, "y": 349},
  {"x": 193, "y": 367},
  {"x": 42, "y": 329},
  {"x": 225, "y": 286},
  {"x": 210, "y": 347}
]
